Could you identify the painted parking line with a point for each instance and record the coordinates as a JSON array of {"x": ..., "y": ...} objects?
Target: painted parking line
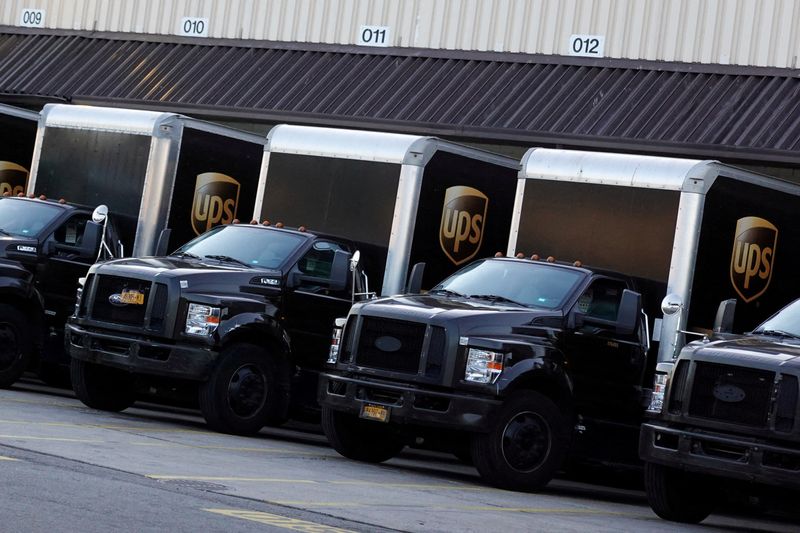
[
  {"x": 120, "y": 427},
  {"x": 55, "y": 439},
  {"x": 229, "y": 479},
  {"x": 279, "y": 521},
  {"x": 453, "y": 508},
  {"x": 4, "y": 458},
  {"x": 226, "y": 448}
]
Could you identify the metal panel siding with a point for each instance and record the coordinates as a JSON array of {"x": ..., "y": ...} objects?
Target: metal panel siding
[
  {"x": 743, "y": 32},
  {"x": 530, "y": 100}
]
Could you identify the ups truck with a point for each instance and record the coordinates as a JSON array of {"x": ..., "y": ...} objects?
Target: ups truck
[
  {"x": 241, "y": 317},
  {"x": 529, "y": 365},
  {"x": 17, "y": 135},
  {"x": 156, "y": 173},
  {"x": 727, "y": 419}
]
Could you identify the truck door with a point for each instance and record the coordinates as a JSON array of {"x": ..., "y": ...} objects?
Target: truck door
[
  {"x": 313, "y": 304},
  {"x": 606, "y": 366},
  {"x": 63, "y": 264}
]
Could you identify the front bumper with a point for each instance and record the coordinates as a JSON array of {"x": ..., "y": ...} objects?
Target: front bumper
[
  {"x": 138, "y": 355},
  {"x": 725, "y": 456},
  {"x": 408, "y": 404}
]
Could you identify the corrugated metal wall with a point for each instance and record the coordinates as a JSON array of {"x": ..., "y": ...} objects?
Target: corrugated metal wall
[{"x": 742, "y": 32}]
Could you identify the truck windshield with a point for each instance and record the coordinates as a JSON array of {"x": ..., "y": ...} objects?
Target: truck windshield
[
  {"x": 254, "y": 246},
  {"x": 25, "y": 218},
  {"x": 785, "y": 323},
  {"x": 527, "y": 283}
]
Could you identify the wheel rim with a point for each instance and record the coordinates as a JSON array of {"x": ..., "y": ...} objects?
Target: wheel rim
[
  {"x": 526, "y": 441},
  {"x": 9, "y": 347},
  {"x": 247, "y": 391}
]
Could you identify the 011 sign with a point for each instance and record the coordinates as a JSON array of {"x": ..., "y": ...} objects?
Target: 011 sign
[{"x": 373, "y": 36}]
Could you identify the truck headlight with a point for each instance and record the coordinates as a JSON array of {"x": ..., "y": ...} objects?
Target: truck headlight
[
  {"x": 202, "y": 319},
  {"x": 483, "y": 366},
  {"x": 336, "y": 340},
  {"x": 659, "y": 389}
]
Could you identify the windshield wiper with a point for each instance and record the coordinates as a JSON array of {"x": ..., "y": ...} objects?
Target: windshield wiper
[
  {"x": 496, "y": 298},
  {"x": 184, "y": 254},
  {"x": 446, "y": 292},
  {"x": 227, "y": 259},
  {"x": 4, "y": 232},
  {"x": 777, "y": 333}
]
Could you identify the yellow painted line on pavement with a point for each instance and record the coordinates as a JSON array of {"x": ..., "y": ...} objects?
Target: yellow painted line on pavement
[
  {"x": 56, "y": 439},
  {"x": 413, "y": 506},
  {"x": 109, "y": 426},
  {"x": 4, "y": 458},
  {"x": 415, "y": 485},
  {"x": 279, "y": 521},
  {"x": 222, "y": 478},
  {"x": 224, "y": 448}
]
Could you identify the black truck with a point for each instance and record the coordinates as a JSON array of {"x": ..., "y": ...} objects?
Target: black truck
[
  {"x": 45, "y": 247},
  {"x": 727, "y": 417},
  {"x": 520, "y": 360},
  {"x": 232, "y": 316}
]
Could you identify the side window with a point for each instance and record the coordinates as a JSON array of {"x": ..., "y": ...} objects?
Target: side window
[
  {"x": 602, "y": 298},
  {"x": 318, "y": 262},
  {"x": 70, "y": 233}
]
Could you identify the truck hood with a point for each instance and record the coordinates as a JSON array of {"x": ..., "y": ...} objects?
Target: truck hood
[
  {"x": 193, "y": 275},
  {"x": 757, "y": 351},
  {"x": 473, "y": 315}
]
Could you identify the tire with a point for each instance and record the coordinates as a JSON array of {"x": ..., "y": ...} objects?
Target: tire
[
  {"x": 247, "y": 390},
  {"x": 16, "y": 344},
  {"x": 525, "y": 446},
  {"x": 360, "y": 440},
  {"x": 101, "y": 387},
  {"x": 678, "y": 496}
]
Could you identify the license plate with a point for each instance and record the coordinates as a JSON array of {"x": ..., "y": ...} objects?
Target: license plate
[
  {"x": 132, "y": 297},
  {"x": 375, "y": 412}
]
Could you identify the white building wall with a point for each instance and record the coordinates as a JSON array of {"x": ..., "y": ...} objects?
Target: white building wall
[{"x": 742, "y": 32}]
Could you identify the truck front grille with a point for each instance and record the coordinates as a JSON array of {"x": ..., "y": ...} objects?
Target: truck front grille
[
  {"x": 390, "y": 344},
  {"x": 731, "y": 394},
  {"x": 107, "y": 307}
]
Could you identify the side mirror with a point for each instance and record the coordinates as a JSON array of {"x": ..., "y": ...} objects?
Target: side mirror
[
  {"x": 163, "y": 242},
  {"x": 723, "y": 322},
  {"x": 630, "y": 309},
  {"x": 100, "y": 214},
  {"x": 414, "y": 284},
  {"x": 92, "y": 238},
  {"x": 671, "y": 304},
  {"x": 339, "y": 270},
  {"x": 355, "y": 260}
]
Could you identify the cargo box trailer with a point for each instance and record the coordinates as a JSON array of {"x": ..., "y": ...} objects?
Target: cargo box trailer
[
  {"x": 255, "y": 303},
  {"x": 17, "y": 136},
  {"x": 153, "y": 171},
  {"x": 529, "y": 362}
]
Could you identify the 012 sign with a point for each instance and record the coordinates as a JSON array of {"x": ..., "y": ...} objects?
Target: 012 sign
[{"x": 587, "y": 45}]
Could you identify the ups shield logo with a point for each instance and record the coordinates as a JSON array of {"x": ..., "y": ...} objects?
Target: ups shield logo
[
  {"x": 13, "y": 178},
  {"x": 753, "y": 257},
  {"x": 216, "y": 197},
  {"x": 463, "y": 218}
]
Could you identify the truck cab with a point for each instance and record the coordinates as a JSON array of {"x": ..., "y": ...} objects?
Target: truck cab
[
  {"x": 515, "y": 360},
  {"x": 241, "y": 314},
  {"x": 726, "y": 415},
  {"x": 45, "y": 247}
]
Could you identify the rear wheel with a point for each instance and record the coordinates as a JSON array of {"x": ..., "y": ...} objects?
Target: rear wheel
[
  {"x": 525, "y": 446},
  {"x": 360, "y": 440},
  {"x": 16, "y": 344},
  {"x": 102, "y": 387},
  {"x": 677, "y": 495},
  {"x": 247, "y": 390}
]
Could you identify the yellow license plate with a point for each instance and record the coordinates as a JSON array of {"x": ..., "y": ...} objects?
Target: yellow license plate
[
  {"x": 375, "y": 412},
  {"x": 132, "y": 297}
]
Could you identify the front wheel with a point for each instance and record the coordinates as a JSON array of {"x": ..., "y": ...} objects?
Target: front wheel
[
  {"x": 678, "y": 496},
  {"x": 248, "y": 390},
  {"x": 525, "y": 446},
  {"x": 102, "y": 387},
  {"x": 360, "y": 440},
  {"x": 16, "y": 344}
]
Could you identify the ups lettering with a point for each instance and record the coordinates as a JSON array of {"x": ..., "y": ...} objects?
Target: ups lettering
[
  {"x": 461, "y": 226},
  {"x": 750, "y": 260},
  {"x": 10, "y": 189},
  {"x": 213, "y": 210}
]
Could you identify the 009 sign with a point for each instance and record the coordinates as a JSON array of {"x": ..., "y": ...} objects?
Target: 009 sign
[{"x": 32, "y": 18}]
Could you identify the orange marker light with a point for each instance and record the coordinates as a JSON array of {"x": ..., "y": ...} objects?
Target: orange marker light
[{"x": 551, "y": 259}]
